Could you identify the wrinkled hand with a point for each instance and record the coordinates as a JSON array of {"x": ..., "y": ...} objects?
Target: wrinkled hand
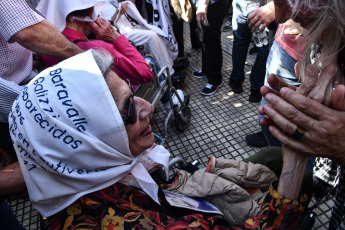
[
  {"x": 320, "y": 87},
  {"x": 325, "y": 127},
  {"x": 201, "y": 13},
  {"x": 262, "y": 16},
  {"x": 104, "y": 30},
  {"x": 276, "y": 85}
]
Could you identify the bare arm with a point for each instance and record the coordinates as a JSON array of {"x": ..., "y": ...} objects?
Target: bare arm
[
  {"x": 123, "y": 10},
  {"x": 292, "y": 173},
  {"x": 45, "y": 39},
  {"x": 11, "y": 181}
]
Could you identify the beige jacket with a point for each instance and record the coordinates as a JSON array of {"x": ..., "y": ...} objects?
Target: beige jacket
[
  {"x": 183, "y": 9},
  {"x": 224, "y": 185}
]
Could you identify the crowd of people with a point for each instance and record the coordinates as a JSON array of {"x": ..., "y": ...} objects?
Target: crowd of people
[{"x": 82, "y": 143}]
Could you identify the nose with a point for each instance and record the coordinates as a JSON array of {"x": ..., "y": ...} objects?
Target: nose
[{"x": 143, "y": 108}]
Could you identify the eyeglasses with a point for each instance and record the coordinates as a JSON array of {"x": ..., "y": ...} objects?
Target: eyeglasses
[{"x": 131, "y": 116}]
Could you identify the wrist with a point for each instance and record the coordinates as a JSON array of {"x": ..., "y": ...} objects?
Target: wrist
[{"x": 292, "y": 175}]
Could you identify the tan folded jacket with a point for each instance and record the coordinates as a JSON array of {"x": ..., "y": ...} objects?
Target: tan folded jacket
[{"x": 227, "y": 184}]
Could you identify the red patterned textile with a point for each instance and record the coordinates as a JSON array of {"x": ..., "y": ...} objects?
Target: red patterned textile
[{"x": 123, "y": 207}]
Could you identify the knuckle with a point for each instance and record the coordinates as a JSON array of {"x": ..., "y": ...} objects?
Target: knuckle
[
  {"x": 318, "y": 97},
  {"x": 292, "y": 113},
  {"x": 289, "y": 129},
  {"x": 304, "y": 103},
  {"x": 322, "y": 133},
  {"x": 334, "y": 121}
]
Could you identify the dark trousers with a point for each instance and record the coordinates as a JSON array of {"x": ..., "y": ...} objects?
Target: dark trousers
[
  {"x": 212, "y": 55},
  {"x": 8, "y": 220},
  {"x": 6, "y": 142},
  {"x": 178, "y": 32},
  {"x": 192, "y": 27}
]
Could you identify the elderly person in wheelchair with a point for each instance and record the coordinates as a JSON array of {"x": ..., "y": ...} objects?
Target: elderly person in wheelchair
[
  {"x": 77, "y": 20},
  {"x": 87, "y": 160}
]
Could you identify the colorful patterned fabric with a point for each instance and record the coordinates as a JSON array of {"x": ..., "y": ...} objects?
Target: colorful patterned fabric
[
  {"x": 123, "y": 207},
  {"x": 277, "y": 212}
]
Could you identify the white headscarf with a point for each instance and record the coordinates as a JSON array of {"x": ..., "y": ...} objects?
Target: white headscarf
[
  {"x": 164, "y": 29},
  {"x": 70, "y": 138},
  {"x": 56, "y": 11}
]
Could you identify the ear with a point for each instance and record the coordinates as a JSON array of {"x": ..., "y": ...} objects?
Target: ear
[{"x": 297, "y": 70}]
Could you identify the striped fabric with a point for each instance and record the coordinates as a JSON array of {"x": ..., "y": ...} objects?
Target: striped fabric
[
  {"x": 15, "y": 61},
  {"x": 8, "y": 93},
  {"x": 16, "y": 15}
]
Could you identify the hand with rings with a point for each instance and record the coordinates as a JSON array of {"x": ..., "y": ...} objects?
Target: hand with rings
[
  {"x": 305, "y": 125},
  {"x": 299, "y": 133}
]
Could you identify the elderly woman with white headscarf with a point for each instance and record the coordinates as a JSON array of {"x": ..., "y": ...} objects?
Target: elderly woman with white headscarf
[{"x": 86, "y": 160}]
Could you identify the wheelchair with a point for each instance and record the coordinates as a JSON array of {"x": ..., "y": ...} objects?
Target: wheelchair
[{"x": 154, "y": 91}]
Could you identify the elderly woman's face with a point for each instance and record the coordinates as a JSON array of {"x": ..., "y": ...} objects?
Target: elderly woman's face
[
  {"x": 304, "y": 17},
  {"x": 140, "y": 134}
]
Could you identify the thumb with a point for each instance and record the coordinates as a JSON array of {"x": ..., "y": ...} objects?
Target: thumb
[{"x": 338, "y": 98}]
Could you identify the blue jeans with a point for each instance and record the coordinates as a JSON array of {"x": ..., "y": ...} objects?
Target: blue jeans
[
  {"x": 8, "y": 220},
  {"x": 282, "y": 64},
  {"x": 242, "y": 39}
]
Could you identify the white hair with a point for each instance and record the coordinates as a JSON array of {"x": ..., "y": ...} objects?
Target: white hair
[{"x": 103, "y": 59}]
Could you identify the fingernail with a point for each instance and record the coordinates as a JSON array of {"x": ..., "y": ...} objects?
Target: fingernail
[
  {"x": 283, "y": 90},
  {"x": 268, "y": 97},
  {"x": 267, "y": 108}
]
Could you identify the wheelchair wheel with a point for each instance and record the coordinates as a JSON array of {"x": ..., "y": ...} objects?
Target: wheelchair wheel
[{"x": 181, "y": 125}]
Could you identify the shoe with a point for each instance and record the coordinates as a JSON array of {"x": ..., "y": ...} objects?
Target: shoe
[
  {"x": 227, "y": 26},
  {"x": 199, "y": 74},
  {"x": 256, "y": 139},
  {"x": 253, "y": 50},
  {"x": 191, "y": 52},
  {"x": 255, "y": 95},
  {"x": 177, "y": 80},
  {"x": 181, "y": 64},
  {"x": 236, "y": 86},
  {"x": 210, "y": 89}
]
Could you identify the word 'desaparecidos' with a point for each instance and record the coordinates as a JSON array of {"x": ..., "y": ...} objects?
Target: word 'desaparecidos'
[{"x": 40, "y": 118}]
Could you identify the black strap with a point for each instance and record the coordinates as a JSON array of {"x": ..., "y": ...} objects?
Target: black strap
[{"x": 77, "y": 41}]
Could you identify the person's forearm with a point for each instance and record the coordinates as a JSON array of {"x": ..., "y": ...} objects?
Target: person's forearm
[
  {"x": 45, "y": 39},
  {"x": 115, "y": 17},
  {"x": 11, "y": 180},
  {"x": 292, "y": 174}
]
